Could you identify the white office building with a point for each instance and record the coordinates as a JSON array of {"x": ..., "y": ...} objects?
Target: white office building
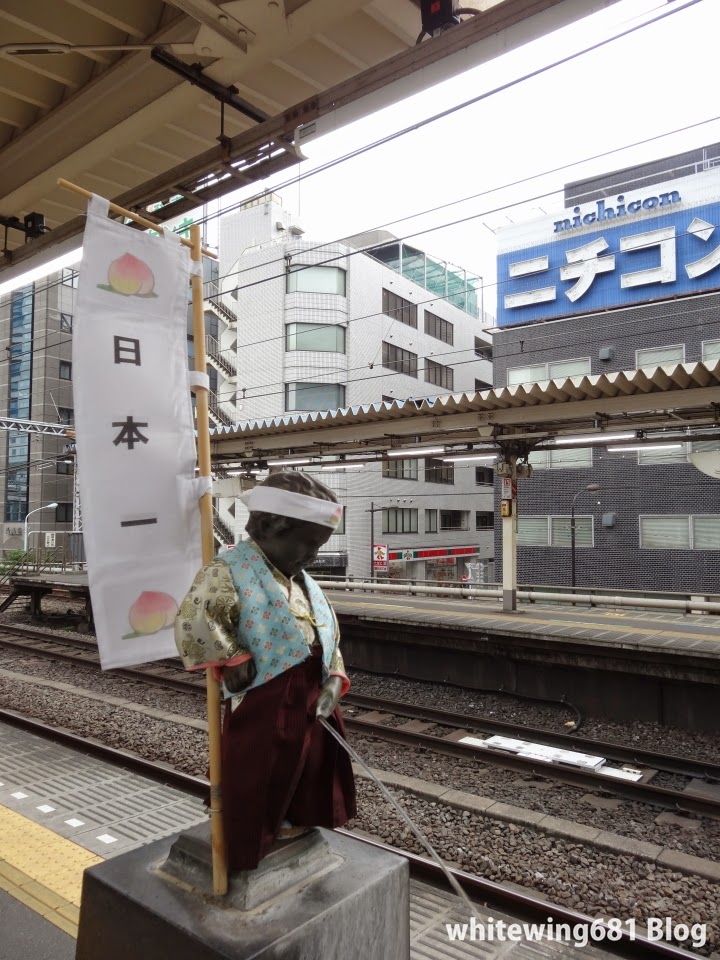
[{"x": 307, "y": 327}]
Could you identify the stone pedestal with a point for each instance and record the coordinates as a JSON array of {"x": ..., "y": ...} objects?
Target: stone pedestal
[{"x": 322, "y": 896}]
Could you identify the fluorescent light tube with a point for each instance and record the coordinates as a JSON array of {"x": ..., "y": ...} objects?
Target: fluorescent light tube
[
  {"x": 596, "y": 438},
  {"x": 468, "y": 457},
  {"x": 645, "y": 446},
  {"x": 416, "y": 452}
]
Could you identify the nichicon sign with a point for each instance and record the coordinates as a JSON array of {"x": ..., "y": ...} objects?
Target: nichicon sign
[{"x": 660, "y": 241}]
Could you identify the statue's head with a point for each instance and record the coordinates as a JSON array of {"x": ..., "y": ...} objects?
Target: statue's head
[{"x": 288, "y": 542}]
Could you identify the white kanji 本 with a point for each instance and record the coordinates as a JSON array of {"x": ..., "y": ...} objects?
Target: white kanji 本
[
  {"x": 665, "y": 272},
  {"x": 584, "y": 264},
  {"x": 524, "y": 268},
  {"x": 698, "y": 268}
]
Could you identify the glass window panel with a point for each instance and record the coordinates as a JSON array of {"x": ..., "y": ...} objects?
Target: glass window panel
[
  {"x": 400, "y": 469},
  {"x": 532, "y": 531},
  {"x": 533, "y": 374},
  {"x": 660, "y": 356},
  {"x": 431, "y": 521},
  {"x": 568, "y": 368},
  {"x": 569, "y": 459},
  {"x": 706, "y": 533},
  {"x": 314, "y": 396},
  {"x": 561, "y": 531},
  {"x": 711, "y": 351},
  {"x": 316, "y": 280},
  {"x": 323, "y": 337},
  {"x": 399, "y": 520},
  {"x": 665, "y": 533},
  {"x": 648, "y": 457}
]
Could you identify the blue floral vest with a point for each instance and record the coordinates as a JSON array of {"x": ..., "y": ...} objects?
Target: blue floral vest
[{"x": 267, "y": 626}]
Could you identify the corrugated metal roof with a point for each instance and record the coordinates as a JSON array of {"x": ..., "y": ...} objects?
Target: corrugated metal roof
[{"x": 670, "y": 386}]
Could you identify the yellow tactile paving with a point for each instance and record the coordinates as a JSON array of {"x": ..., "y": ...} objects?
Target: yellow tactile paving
[{"x": 42, "y": 870}]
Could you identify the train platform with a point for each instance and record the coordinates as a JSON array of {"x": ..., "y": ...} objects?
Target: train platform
[
  {"x": 618, "y": 664},
  {"x": 660, "y": 631},
  {"x": 62, "y": 811}
]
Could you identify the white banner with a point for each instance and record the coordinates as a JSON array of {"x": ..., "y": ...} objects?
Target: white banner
[{"x": 135, "y": 436}]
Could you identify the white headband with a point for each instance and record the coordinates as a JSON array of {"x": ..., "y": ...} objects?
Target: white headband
[{"x": 284, "y": 503}]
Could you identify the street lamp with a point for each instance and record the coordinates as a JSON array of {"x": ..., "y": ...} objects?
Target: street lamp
[
  {"x": 590, "y": 488},
  {"x": 47, "y": 506}
]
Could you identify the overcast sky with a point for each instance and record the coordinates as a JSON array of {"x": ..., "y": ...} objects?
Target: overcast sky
[{"x": 656, "y": 80}]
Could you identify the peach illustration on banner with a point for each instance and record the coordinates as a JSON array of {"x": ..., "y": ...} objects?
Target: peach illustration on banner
[
  {"x": 151, "y": 613},
  {"x": 130, "y": 277}
]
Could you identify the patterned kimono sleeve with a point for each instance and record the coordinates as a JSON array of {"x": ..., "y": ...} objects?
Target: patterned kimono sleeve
[
  {"x": 206, "y": 624},
  {"x": 337, "y": 664}
]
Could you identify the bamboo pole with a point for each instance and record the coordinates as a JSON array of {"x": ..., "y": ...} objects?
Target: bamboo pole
[
  {"x": 219, "y": 855},
  {"x": 143, "y": 221}
]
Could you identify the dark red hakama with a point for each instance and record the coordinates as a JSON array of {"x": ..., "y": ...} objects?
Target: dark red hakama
[{"x": 279, "y": 763}]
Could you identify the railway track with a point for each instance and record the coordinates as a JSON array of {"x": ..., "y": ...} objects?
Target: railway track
[
  {"x": 519, "y": 904},
  {"x": 417, "y": 730}
]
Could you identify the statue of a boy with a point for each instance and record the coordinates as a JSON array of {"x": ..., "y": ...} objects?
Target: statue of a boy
[{"x": 272, "y": 637}]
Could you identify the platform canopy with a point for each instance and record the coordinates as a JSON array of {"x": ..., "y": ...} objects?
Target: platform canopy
[
  {"x": 675, "y": 402},
  {"x": 117, "y": 96}
]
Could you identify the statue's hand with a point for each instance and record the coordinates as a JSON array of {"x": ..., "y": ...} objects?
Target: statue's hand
[
  {"x": 238, "y": 677},
  {"x": 329, "y": 696}
]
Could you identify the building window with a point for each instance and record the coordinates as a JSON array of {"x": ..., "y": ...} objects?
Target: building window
[
  {"x": 440, "y": 375},
  {"x": 66, "y": 415},
  {"x": 555, "y": 370},
  {"x": 64, "y": 513},
  {"x": 438, "y": 472},
  {"x": 676, "y": 532},
  {"x": 437, "y": 327},
  {"x": 561, "y": 459},
  {"x": 711, "y": 351},
  {"x": 400, "y": 469},
  {"x": 321, "y": 337},
  {"x": 69, "y": 277},
  {"x": 554, "y": 532},
  {"x": 660, "y": 356},
  {"x": 678, "y": 453},
  {"x": 484, "y": 519},
  {"x": 484, "y": 476},
  {"x": 65, "y": 370},
  {"x": 64, "y": 467},
  {"x": 399, "y": 520},
  {"x": 402, "y": 361},
  {"x": 482, "y": 385},
  {"x": 302, "y": 279},
  {"x": 454, "y": 520},
  {"x": 20, "y": 353},
  {"x": 314, "y": 396},
  {"x": 340, "y": 528},
  {"x": 399, "y": 309},
  {"x": 431, "y": 524},
  {"x": 483, "y": 350},
  {"x": 66, "y": 322}
]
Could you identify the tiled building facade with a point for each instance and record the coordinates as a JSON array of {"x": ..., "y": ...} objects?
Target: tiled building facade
[
  {"x": 322, "y": 327},
  {"x": 655, "y": 522}
]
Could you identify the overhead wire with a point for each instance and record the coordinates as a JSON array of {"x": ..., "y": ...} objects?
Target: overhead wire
[{"x": 471, "y": 101}]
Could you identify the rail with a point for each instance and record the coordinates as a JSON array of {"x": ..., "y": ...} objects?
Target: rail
[{"x": 468, "y": 592}]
